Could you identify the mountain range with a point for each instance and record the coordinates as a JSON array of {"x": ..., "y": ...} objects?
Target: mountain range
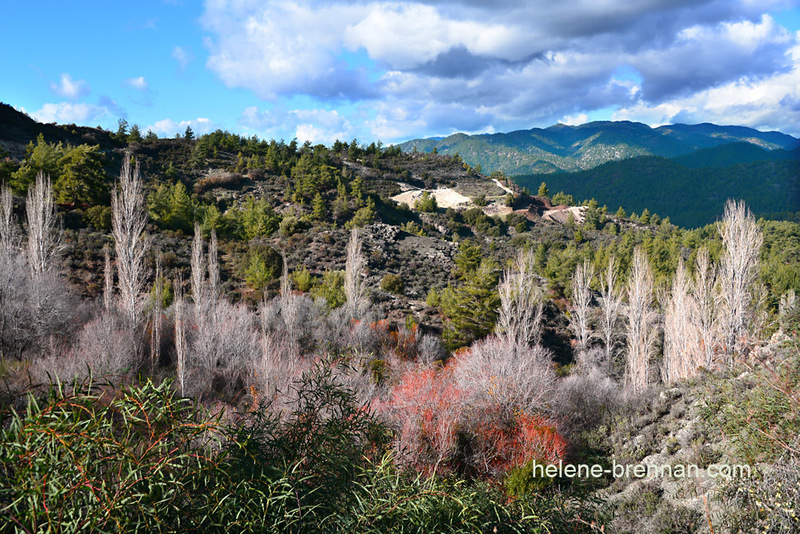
[{"x": 563, "y": 148}]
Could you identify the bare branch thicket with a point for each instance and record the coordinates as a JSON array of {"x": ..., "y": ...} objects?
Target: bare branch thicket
[
  {"x": 104, "y": 347},
  {"x": 681, "y": 332},
  {"x": 611, "y": 307},
  {"x": 521, "y": 302},
  {"x": 198, "y": 270},
  {"x": 108, "y": 281},
  {"x": 9, "y": 233},
  {"x": 226, "y": 346},
  {"x": 180, "y": 337},
  {"x": 641, "y": 325},
  {"x": 43, "y": 239},
  {"x": 705, "y": 298},
  {"x": 581, "y": 303},
  {"x": 213, "y": 269},
  {"x": 511, "y": 375},
  {"x": 16, "y": 312},
  {"x": 355, "y": 270},
  {"x": 738, "y": 273},
  {"x": 155, "y": 326},
  {"x": 128, "y": 222},
  {"x": 289, "y": 309}
]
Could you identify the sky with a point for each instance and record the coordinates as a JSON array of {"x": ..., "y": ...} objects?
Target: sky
[{"x": 392, "y": 71}]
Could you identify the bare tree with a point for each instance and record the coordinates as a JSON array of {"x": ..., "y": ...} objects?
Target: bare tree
[
  {"x": 511, "y": 375},
  {"x": 581, "y": 302},
  {"x": 213, "y": 268},
  {"x": 43, "y": 246},
  {"x": 155, "y": 326},
  {"x": 180, "y": 337},
  {"x": 8, "y": 226},
  {"x": 355, "y": 269},
  {"x": 706, "y": 301},
  {"x": 641, "y": 331},
  {"x": 108, "y": 280},
  {"x": 289, "y": 311},
  {"x": 610, "y": 310},
  {"x": 521, "y": 302},
  {"x": 198, "y": 268},
  {"x": 681, "y": 333},
  {"x": 128, "y": 221},
  {"x": 738, "y": 273}
]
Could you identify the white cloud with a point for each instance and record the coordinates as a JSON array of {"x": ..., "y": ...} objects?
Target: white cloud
[
  {"x": 575, "y": 120},
  {"x": 315, "y": 125},
  {"x": 139, "y": 83},
  {"x": 168, "y": 127},
  {"x": 437, "y": 66},
  {"x": 69, "y": 88},
  {"x": 67, "y": 113},
  {"x": 183, "y": 56}
]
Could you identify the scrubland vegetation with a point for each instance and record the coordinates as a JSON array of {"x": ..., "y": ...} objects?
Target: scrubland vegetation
[{"x": 287, "y": 350}]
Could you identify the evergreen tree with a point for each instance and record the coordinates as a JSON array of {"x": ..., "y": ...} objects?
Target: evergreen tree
[
  {"x": 82, "y": 178},
  {"x": 319, "y": 209},
  {"x": 470, "y": 310},
  {"x": 543, "y": 191}
]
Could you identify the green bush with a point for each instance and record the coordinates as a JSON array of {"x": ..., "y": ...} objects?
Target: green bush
[
  {"x": 426, "y": 203},
  {"x": 392, "y": 283},
  {"x": 99, "y": 217}
]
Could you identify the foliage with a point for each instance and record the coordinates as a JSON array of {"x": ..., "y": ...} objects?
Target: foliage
[
  {"x": 257, "y": 219},
  {"x": 426, "y": 203},
  {"x": 81, "y": 177},
  {"x": 262, "y": 265},
  {"x": 171, "y": 207},
  {"x": 39, "y": 157},
  {"x": 691, "y": 197},
  {"x": 107, "y": 461},
  {"x": 470, "y": 309},
  {"x": 562, "y": 198},
  {"x": 331, "y": 288},
  {"x": 393, "y": 283},
  {"x": 99, "y": 217},
  {"x": 302, "y": 280}
]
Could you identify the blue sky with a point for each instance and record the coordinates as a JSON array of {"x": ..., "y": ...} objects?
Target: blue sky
[{"x": 393, "y": 71}]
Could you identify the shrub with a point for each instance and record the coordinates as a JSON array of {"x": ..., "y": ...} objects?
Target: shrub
[
  {"x": 426, "y": 203},
  {"x": 392, "y": 283},
  {"x": 99, "y": 217},
  {"x": 136, "y": 459}
]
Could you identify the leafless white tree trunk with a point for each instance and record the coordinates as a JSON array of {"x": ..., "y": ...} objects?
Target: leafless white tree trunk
[
  {"x": 581, "y": 302},
  {"x": 681, "y": 332},
  {"x": 108, "y": 280},
  {"x": 8, "y": 227},
  {"x": 738, "y": 273},
  {"x": 289, "y": 309},
  {"x": 213, "y": 268},
  {"x": 641, "y": 334},
  {"x": 610, "y": 310},
  {"x": 128, "y": 221},
  {"x": 706, "y": 300},
  {"x": 355, "y": 270},
  {"x": 198, "y": 268},
  {"x": 521, "y": 302},
  {"x": 155, "y": 327},
  {"x": 43, "y": 243},
  {"x": 180, "y": 337}
]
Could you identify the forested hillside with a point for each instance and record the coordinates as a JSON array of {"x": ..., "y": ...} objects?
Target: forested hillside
[
  {"x": 222, "y": 333},
  {"x": 692, "y": 189}
]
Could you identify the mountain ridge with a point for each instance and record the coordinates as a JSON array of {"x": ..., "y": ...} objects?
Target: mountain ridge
[{"x": 561, "y": 147}]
